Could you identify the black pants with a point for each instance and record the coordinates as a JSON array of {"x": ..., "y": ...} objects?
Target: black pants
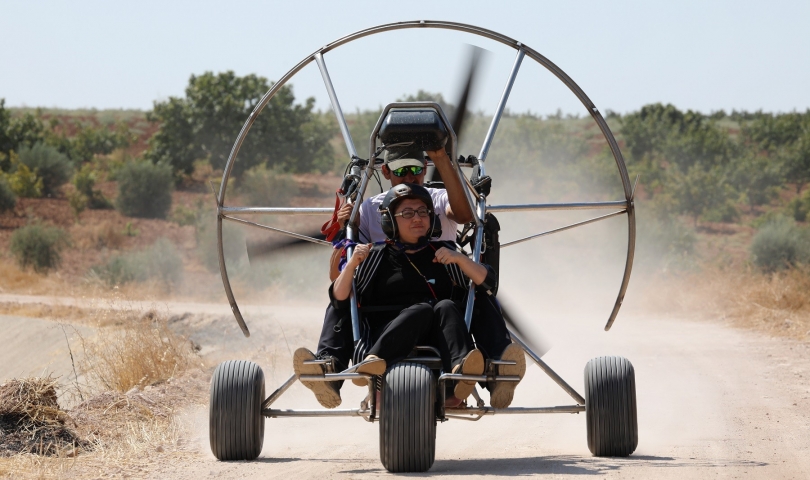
[
  {"x": 394, "y": 340},
  {"x": 337, "y": 340},
  {"x": 488, "y": 329},
  {"x": 449, "y": 334}
]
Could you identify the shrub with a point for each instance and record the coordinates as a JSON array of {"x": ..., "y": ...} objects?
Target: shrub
[
  {"x": 780, "y": 244},
  {"x": 7, "y": 198},
  {"x": 184, "y": 216},
  {"x": 799, "y": 208},
  {"x": 53, "y": 167},
  {"x": 144, "y": 190},
  {"x": 84, "y": 181},
  {"x": 38, "y": 246},
  {"x": 263, "y": 187},
  {"x": 161, "y": 261},
  {"x": 21, "y": 180},
  {"x": 78, "y": 202}
]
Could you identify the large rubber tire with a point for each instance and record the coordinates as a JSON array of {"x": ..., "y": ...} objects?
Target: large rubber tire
[
  {"x": 408, "y": 419},
  {"x": 610, "y": 407},
  {"x": 236, "y": 424}
]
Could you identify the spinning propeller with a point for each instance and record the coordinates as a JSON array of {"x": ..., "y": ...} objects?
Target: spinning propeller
[{"x": 461, "y": 106}]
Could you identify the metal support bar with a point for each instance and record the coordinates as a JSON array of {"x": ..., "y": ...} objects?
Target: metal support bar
[
  {"x": 279, "y": 391},
  {"x": 277, "y": 210},
  {"x": 548, "y": 371},
  {"x": 351, "y": 234},
  {"x": 558, "y": 206},
  {"x": 514, "y": 410},
  {"x": 285, "y": 232},
  {"x": 476, "y": 257},
  {"x": 501, "y": 106},
  {"x": 330, "y": 377},
  {"x": 477, "y": 378},
  {"x": 344, "y": 128},
  {"x": 354, "y": 412},
  {"x": 562, "y": 229}
]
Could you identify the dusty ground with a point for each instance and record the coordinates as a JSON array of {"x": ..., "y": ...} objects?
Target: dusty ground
[{"x": 714, "y": 401}]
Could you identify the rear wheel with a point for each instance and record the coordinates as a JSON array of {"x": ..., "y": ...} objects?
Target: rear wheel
[
  {"x": 236, "y": 424},
  {"x": 610, "y": 407},
  {"x": 408, "y": 419}
]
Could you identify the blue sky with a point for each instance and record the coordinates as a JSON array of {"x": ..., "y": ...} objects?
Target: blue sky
[{"x": 705, "y": 55}]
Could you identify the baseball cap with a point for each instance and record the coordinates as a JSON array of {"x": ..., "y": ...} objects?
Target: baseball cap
[{"x": 395, "y": 159}]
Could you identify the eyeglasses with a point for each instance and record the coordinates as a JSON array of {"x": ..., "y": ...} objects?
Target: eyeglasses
[
  {"x": 408, "y": 213},
  {"x": 401, "y": 172}
]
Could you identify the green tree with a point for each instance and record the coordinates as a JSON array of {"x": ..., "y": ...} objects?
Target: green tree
[
  {"x": 15, "y": 133},
  {"x": 659, "y": 136},
  {"x": 786, "y": 139},
  {"x": 205, "y": 123},
  {"x": 701, "y": 190},
  {"x": 756, "y": 177}
]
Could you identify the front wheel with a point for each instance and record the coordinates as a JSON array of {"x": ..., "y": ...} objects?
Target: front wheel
[
  {"x": 610, "y": 407},
  {"x": 408, "y": 419},
  {"x": 236, "y": 424}
]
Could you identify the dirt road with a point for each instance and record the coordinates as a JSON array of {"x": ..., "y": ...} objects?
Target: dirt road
[{"x": 714, "y": 402}]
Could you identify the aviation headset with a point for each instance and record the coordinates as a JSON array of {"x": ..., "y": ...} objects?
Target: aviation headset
[{"x": 396, "y": 195}]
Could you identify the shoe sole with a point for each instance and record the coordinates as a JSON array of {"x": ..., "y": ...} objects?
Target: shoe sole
[
  {"x": 473, "y": 364},
  {"x": 326, "y": 394},
  {"x": 375, "y": 367},
  {"x": 503, "y": 392}
]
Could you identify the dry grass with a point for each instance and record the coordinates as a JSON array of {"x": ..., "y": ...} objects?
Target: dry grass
[
  {"x": 32, "y": 422},
  {"x": 140, "y": 375},
  {"x": 778, "y": 303},
  {"x": 101, "y": 235},
  {"x": 130, "y": 433},
  {"x": 142, "y": 351}
]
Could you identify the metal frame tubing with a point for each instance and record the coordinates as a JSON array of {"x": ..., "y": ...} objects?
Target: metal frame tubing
[
  {"x": 511, "y": 410},
  {"x": 522, "y": 50},
  {"x": 562, "y": 229},
  {"x": 482, "y": 156},
  {"x": 344, "y": 127},
  {"x": 548, "y": 371}
]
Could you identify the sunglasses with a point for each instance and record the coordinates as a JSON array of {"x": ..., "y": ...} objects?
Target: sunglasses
[
  {"x": 408, "y": 213},
  {"x": 401, "y": 172}
]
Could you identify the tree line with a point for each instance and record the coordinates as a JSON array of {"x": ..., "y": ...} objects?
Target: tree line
[{"x": 709, "y": 167}]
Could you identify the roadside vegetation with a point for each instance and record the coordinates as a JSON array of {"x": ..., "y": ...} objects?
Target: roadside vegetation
[{"x": 124, "y": 198}]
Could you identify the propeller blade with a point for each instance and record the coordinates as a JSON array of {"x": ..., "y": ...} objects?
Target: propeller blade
[
  {"x": 258, "y": 249},
  {"x": 461, "y": 104},
  {"x": 538, "y": 344},
  {"x": 472, "y": 72}
]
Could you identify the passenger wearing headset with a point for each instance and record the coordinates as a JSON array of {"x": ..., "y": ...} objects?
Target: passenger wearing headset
[
  {"x": 411, "y": 291},
  {"x": 336, "y": 342}
]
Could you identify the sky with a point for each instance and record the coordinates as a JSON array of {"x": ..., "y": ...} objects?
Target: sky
[{"x": 701, "y": 55}]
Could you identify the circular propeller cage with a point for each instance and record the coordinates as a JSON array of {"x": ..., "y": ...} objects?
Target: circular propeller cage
[{"x": 617, "y": 208}]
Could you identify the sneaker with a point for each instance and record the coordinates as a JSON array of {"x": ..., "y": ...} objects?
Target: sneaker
[
  {"x": 472, "y": 364},
  {"x": 501, "y": 393},
  {"x": 372, "y": 365},
  {"x": 327, "y": 393}
]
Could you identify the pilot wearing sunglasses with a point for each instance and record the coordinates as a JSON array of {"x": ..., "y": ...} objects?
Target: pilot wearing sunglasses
[{"x": 408, "y": 166}]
